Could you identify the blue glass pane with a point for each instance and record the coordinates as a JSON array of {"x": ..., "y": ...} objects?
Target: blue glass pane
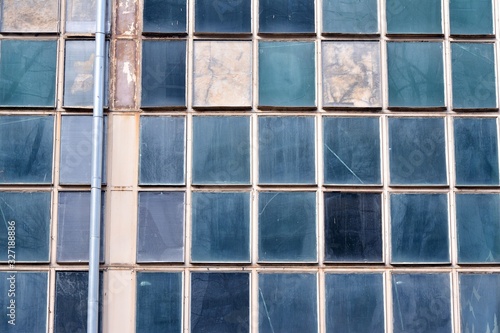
[
  {"x": 476, "y": 151},
  {"x": 28, "y": 72},
  {"x": 26, "y": 149},
  {"x": 163, "y": 73},
  {"x": 353, "y": 227},
  {"x": 224, "y": 16},
  {"x": 286, "y": 150},
  {"x": 24, "y": 226},
  {"x": 350, "y": 16},
  {"x": 471, "y": 17},
  {"x": 221, "y": 227},
  {"x": 220, "y": 302},
  {"x": 159, "y": 303},
  {"x": 419, "y": 228},
  {"x": 421, "y": 303},
  {"x": 287, "y": 74},
  {"x": 413, "y": 17},
  {"x": 477, "y": 227},
  {"x": 351, "y": 150},
  {"x": 287, "y": 303},
  {"x": 473, "y": 75},
  {"x": 287, "y": 226},
  {"x": 354, "y": 303},
  {"x": 160, "y": 235},
  {"x": 417, "y": 151},
  {"x": 221, "y": 150},
  {"x": 415, "y": 72},
  {"x": 162, "y": 151},
  {"x": 277, "y": 16},
  {"x": 164, "y": 16}
]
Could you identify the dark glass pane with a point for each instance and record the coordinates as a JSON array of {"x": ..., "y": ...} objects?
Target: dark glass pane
[
  {"x": 351, "y": 150},
  {"x": 277, "y": 16},
  {"x": 221, "y": 227},
  {"x": 473, "y": 70},
  {"x": 159, "y": 302},
  {"x": 162, "y": 150},
  {"x": 225, "y": 16},
  {"x": 221, "y": 150},
  {"x": 417, "y": 151},
  {"x": 286, "y": 150},
  {"x": 26, "y": 216},
  {"x": 160, "y": 227},
  {"x": 287, "y": 226},
  {"x": 471, "y": 17},
  {"x": 81, "y": 16},
  {"x": 220, "y": 302},
  {"x": 164, "y": 16},
  {"x": 421, "y": 303},
  {"x": 350, "y": 16},
  {"x": 419, "y": 228},
  {"x": 28, "y": 16},
  {"x": 413, "y": 17},
  {"x": 28, "y": 72},
  {"x": 354, "y": 303},
  {"x": 163, "y": 73},
  {"x": 353, "y": 227},
  {"x": 286, "y": 74},
  {"x": 26, "y": 149},
  {"x": 476, "y": 151},
  {"x": 287, "y": 303},
  {"x": 415, "y": 74}
]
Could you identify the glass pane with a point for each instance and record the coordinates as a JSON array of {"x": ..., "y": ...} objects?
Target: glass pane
[
  {"x": 81, "y": 15},
  {"x": 286, "y": 150},
  {"x": 417, "y": 151},
  {"x": 221, "y": 150},
  {"x": 351, "y": 74},
  {"x": 164, "y": 16},
  {"x": 160, "y": 227},
  {"x": 287, "y": 226},
  {"x": 224, "y": 16},
  {"x": 476, "y": 151},
  {"x": 221, "y": 227},
  {"x": 287, "y": 74},
  {"x": 25, "y": 226},
  {"x": 473, "y": 70},
  {"x": 28, "y": 72},
  {"x": 415, "y": 74},
  {"x": 29, "y": 16},
  {"x": 477, "y": 227},
  {"x": 413, "y": 17},
  {"x": 350, "y": 16},
  {"x": 23, "y": 302},
  {"x": 220, "y": 302},
  {"x": 287, "y": 303},
  {"x": 162, "y": 150},
  {"x": 163, "y": 73},
  {"x": 159, "y": 302},
  {"x": 471, "y": 17},
  {"x": 351, "y": 150},
  {"x": 280, "y": 16},
  {"x": 419, "y": 228},
  {"x": 26, "y": 149},
  {"x": 354, "y": 303},
  {"x": 353, "y": 227}
]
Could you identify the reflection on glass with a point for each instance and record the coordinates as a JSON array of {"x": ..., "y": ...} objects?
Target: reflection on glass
[
  {"x": 26, "y": 16},
  {"x": 164, "y": 16},
  {"x": 222, "y": 16},
  {"x": 81, "y": 16},
  {"x": 350, "y": 16},
  {"x": 413, "y": 17},
  {"x": 282, "y": 16},
  {"x": 471, "y": 17}
]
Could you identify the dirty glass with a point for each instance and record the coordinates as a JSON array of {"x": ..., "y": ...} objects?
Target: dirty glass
[
  {"x": 353, "y": 227},
  {"x": 471, "y": 17},
  {"x": 81, "y": 16},
  {"x": 28, "y": 72},
  {"x": 285, "y": 16},
  {"x": 220, "y": 302},
  {"x": 26, "y": 149},
  {"x": 413, "y": 17},
  {"x": 159, "y": 302},
  {"x": 223, "y": 16},
  {"x": 162, "y": 16},
  {"x": 160, "y": 222},
  {"x": 350, "y": 16},
  {"x": 162, "y": 150},
  {"x": 29, "y": 16}
]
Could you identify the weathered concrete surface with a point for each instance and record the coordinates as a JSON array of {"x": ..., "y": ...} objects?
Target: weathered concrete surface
[
  {"x": 126, "y": 22},
  {"x": 124, "y": 73},
  {"x": 30, "y": 15}
]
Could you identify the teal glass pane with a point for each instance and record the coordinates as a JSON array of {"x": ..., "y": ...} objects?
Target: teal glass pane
[
  {"x": 419, "y": 228},
  {"x": 350, "y": 16},
  {"x": 417, "y": 151},
  {"x": 413, "y": 16},
  {"x": 351, "y": 150},
  {"x": 471, "y": 17},
  {"x": 416, "y": 76},
  {"x": 223, "y": 16},
  {"x": 354, "y": 303},
  {"x": 286, "y": 150},
  {"x": 25, "y": 226},
  {"x": 26, "y": 149},
  {"x": 287, "y": 74},
  {"x": 473, "y": 75},
  {"x": 221, "y": 150},
  {"x": 159, "y": 302},
  {"x": 221, "y": 227},
  {"x": 287, "y": 226},
  {"x": 28, "y": 72},
  {"x": 476, "y": 151},
  {"x": 478, "y": 228},
  {"x": 286, "y": 16},
  {"x": 162, "y": 16}
]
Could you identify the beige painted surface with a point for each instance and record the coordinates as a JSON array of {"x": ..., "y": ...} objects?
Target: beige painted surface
[
  {"x": 121, "y": 233},
  {"x": 123, "y": 150},
  {"x": 119, "y": 301}
]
